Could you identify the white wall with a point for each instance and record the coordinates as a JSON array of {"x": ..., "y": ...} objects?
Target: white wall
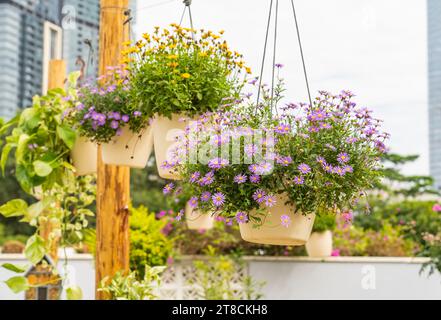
[{"x": 295, "y": 278}]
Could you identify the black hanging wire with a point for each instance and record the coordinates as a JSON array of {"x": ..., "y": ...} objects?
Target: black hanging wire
[
  {"x": 264, "y": 54},
  {"x": 301, "y": 52},
  {"x": 273, "y": 79}
]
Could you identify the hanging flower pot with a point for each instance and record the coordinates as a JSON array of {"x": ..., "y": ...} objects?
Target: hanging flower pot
[
  {"x": 319, "y": 244},
  {"x": 84, "y": 156},
  {"x": 281, "y": 226},
  {"x": 165, "y": 134},
  {"x": 129, "y": 148},
  {"x": 197, "y": 220}
]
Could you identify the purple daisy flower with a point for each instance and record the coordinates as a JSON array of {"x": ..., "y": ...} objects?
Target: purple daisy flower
[
  {"x": 218, "y": 199},
  {"x": 343, "y": 157},
  {"x": 328, "y": 168},
  {"x": 207, "y": 179},
  {"x": 137, "y": 113},
  {"x": 180, "y": 215},
  {"x": 284, "y": 161},
  {"x": 125, "y": 118},
  {"x": 195, "y": 177},
  {"x": 255, "y": 178},
  {"x": 299, "y": 180},
  {"x": 241, "y": 178},
  {"x": 254, "y": 168},
  {"x": 304, "y": 168},
  {"x": 283, "y": 129},
  {"x": 114, "y": 124},
  {"x": 218, "y": 163},
  {"x": 193, "y": 202},
  {"x": 206, "y": 196},
  {"x": 265, "y": 168},
  {"x": 259, "y": 196},
  {"x": 270, "y": 201},
  {"x": 348, "y": 169},
  {"x": 340, "y": 171},
  {"x": 321, "y": 160},
  {"x": 285, "y": 220},
  {"x": 241, "y": 217},
  {"x": 168, "y": 188}
]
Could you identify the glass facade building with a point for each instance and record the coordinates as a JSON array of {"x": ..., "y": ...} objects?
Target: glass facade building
[
  {"x": 21, "y": 44},
  {"x": 434, "y": 39}
]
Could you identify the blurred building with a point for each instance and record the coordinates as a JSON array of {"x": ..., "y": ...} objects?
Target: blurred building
[
  {"x": 22, "y": 45},
  {"x": 434, "y": 38}
]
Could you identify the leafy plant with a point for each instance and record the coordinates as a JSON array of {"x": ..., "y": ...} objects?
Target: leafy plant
[
  {"x": 324, "y": 222},
  {"x": 128, "y": 287},
  {"x": 171, "y": 71}
]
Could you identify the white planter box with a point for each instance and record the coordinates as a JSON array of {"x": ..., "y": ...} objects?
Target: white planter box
[{"x": 286, "y": 278}]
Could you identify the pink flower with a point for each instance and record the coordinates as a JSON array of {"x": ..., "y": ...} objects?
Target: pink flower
[
  {"x": 286, "y": 220},
  {"x": 437, "y": 207},
  {"x": 335, "y": 253}
]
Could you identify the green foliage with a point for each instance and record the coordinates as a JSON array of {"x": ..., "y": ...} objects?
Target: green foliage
[
  {"x": 172, "y": 73},
  {"x": 17, "y": 284},
  {"x": 128, "y": 287},
  {"x": 216, "y": 274},
  {"x": 74, "y": 293},
  {"x": 148, "y": 244},
  {"x": 433, "y": 250},
  {"x": 324, "y": 222}
]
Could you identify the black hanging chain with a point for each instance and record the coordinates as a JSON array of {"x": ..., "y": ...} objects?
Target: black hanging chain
[{"x": 301, "y": 52}]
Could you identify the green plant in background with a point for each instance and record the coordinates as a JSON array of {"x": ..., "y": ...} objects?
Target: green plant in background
[
  {"x": 42, "y": 141},
  {"x": 216, "y": 276},
  {"x": 324, "y": 222},
  {"x": 171, "y": 72},
  {"x": 148, "y": 243},
  {"x": 433, "y": 250},
  {"x": 129, "y": 287}
]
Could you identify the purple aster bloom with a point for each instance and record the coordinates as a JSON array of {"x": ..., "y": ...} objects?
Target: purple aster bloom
[
  {"x": 299, "y": 180},
  {"x": 206, "y": 196},
  {"x": 321, "y": 160},
  {"x": 125, "y": 118},
  {"x": 284, "y": 161},
  {"x": 114, "y": 124},
  {"x": 343, "y": 157},
  {"x": 220, "y": 139},
  {"x": 351, "y": 140},
  {"x": 250, "y": 149},
  {"x": 137, "y": 113},
  {"x": 229, "y": 222},
  {"x": 218, "y": 163},
  {"x": 80, "y": 107},
  {"x": 330, "y": 146},
  {"x": 270, "y": 201},
  {"x": 207, "y": 179},
  {"x": 313, "y": 129},
  {"x": 168, "y": 188},
  {"x": 285, "y": 220},
  {"x": 180, "y": 215},
  {"x": 328, "y": 168},
  {"x": 348, "y": 169},
  {"x": 325, "y": 125},
  {"x": 259, "y": 196},
  {"x": 241, "y": 217},
  {"x": 193, "y": 202},
  {"x": 279, "y": 65},
  {"x": 254, "y": 168},
  {"x": 116, "y": 116},
  {"x": 283, "y": 129},
  {"x": 218, "y": 199},
  {"x": 255, "y": 178},
  {"x": 304, "y": 168},
  {"x": 195, "y": 176},
  {"x": 240, "y": 179},
  {"x": 264, "y": 168},
  {"x": 340, "y": 171}
]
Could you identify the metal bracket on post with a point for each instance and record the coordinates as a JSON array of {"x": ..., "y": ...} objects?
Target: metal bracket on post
[{"x": 187, "y": 3}]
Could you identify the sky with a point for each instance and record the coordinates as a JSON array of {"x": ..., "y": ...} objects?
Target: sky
[{"x": 375, "y": 48}]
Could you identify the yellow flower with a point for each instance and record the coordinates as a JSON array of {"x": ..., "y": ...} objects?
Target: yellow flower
[
  {"x": 127, "y": 43},
  {"x": 173, "y": 64},
  {"x": 172, "y": 56},
  {"x": 203, "y": 54},
  {"x": 185, "y": 75},
  {"x": 248, "y": 70}
]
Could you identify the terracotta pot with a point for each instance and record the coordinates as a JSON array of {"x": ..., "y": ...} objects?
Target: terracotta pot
[
  {"x": 320, "y": 244},
  {"x": 198, "y": 221},
  {"x": 165, "y": 132},
  {"x": 273, "y": 232},
  {"x": 129, "y": 149},
  {"x": 84, "y": 156}
]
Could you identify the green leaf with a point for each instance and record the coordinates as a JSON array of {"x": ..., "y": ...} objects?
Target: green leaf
[
  {"x": 42, "y": 169},
  {"x": 35, "y": 210},
  {"x": 14, "y": 208},
  {"x": 17, "y": 284},
  {"x": 22, "y": 147},
  {"x": 23, "y": 178},
  {"x": 73, "y": 78},
  {"x": 14, "y": 268},
  {"x": 67, "y": 134},
  {"x": 35, "y": 249},
  {"x": 74, "y": 293},
  {"x": 4, "y": 158},
  {"x": 29, "y": 118}
]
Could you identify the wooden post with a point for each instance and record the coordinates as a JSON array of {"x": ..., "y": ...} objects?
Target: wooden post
[
  {"x": 113, "y": 183},
  {"x": 56, "y": 79}
]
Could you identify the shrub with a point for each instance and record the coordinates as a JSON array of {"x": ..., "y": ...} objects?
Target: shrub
[{"x": 324, "y": 222}]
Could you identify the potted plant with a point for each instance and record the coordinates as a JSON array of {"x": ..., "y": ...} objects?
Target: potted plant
[
  {"x": 272, "y": 173},
  {"x": 320, "y": 242},
  {"x": 104, "y": 115},
  {"x": 175, "y": 76},
  {"x": 197, "y": 220}
]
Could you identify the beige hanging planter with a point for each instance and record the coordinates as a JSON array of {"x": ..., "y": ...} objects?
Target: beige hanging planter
[
  {"x": 274, "y": 233},
  {"x": 196, "y": 220},
  {"x": 129, "y": 149},
  {"x": 319, "y": 244},
  {"x": 84, "y": 156},
  {"x": 165, "y": 133}
]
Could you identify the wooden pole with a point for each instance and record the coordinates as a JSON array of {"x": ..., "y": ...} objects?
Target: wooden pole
[
  {"x": 56, "y": 79},
  {"x": 113, "y": 183}
]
